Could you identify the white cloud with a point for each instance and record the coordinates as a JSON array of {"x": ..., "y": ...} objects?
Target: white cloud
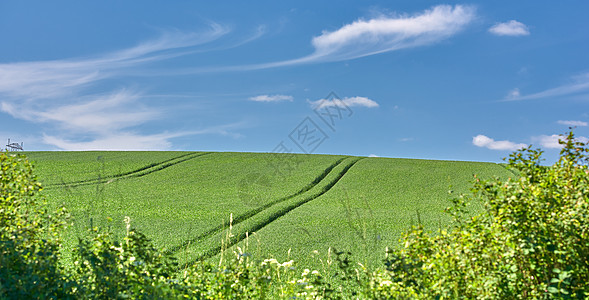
[
  {"x": 543, "y": 141},
  {"x": 551, "y": 141},
  {"x": 373, "y": 155},
  {"x": 129, "y": 141},
  {"x": 407, "y": 139},
  {"x": 377, "y": 35},
  {"x": 513, "y": 94},
  {"x": 548, "y": 141},
  {"x": 271, "y": 98},
  {"x": 511, "y": 28},
  {"x": 487, "y": 142},
  {"x": 573, "y": 123},
  {"x": 579, "y": 84},
  {"x": 367, "y": 37},
  {"x": 345, "y": 102}
]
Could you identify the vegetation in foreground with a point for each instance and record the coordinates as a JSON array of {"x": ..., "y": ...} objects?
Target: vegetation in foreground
[{"x": 530, "y": 242}]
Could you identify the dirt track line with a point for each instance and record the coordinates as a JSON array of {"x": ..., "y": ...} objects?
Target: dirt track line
[
  {"x": 256, "y": 227},
  {"x": 121, "y": 174},
  {"x": 251, "y": 213},
  {"x": 133, "y": 174}
]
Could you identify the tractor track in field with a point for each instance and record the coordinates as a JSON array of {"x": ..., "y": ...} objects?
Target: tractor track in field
[
  {"x": 253, "y": 212},
  {"x": 256, "y": 227},
  {"x": 146, "y": 170}
]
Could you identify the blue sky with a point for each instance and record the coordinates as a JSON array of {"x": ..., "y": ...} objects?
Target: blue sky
[{"x": 417, "y": 79}]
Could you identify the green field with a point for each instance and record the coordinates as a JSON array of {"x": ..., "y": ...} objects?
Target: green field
[{"x": 183, "y": 200}]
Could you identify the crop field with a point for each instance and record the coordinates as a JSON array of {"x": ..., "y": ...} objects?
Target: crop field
[{"x": 187, "y": 202}]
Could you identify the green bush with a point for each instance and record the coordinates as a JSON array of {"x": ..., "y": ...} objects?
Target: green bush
[
  {"x": 29, "y": 235},
  {"x": 131, "y": 269},
  {"x": 531, "y": 241}
]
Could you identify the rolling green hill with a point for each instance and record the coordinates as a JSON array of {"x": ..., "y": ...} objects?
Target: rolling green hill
[{"x": 185, "y": 201}]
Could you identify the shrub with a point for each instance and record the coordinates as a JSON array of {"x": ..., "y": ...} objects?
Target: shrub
[
  {"x": 29, "y": 235},
  {"x": 133, "y": 268},
  {"x": 531, "y": 241}
]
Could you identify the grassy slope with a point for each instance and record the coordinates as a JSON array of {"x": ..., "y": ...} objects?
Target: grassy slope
[
  {"x": 370, "y": 207},
  {"x": 179, "y": 202},
  {"x": 181, "y": 199}
]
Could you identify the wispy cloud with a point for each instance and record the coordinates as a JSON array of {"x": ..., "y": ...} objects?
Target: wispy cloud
[
  {"x": 59, "y": 78},
  {"x": 271, "y": 98},
  {"x": 377, "y": 35},
  {"x": 487, "y": 142},
  {"x": 513, "y": 94},
  {"x": 510, "y": 28},
  {"x": 117, "y": 141},
  {"x": 101, "y": 114},
  {"x": 373, "y": 155},
  {"x": 384, "y": 34},
  {"x": 579, "y": 84},
  {"x": 573, "y": 123},
  {"x": 61, "y": 94},
  {"x": 129, "y": 140},
  {"x": 344, "y": 102}
]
